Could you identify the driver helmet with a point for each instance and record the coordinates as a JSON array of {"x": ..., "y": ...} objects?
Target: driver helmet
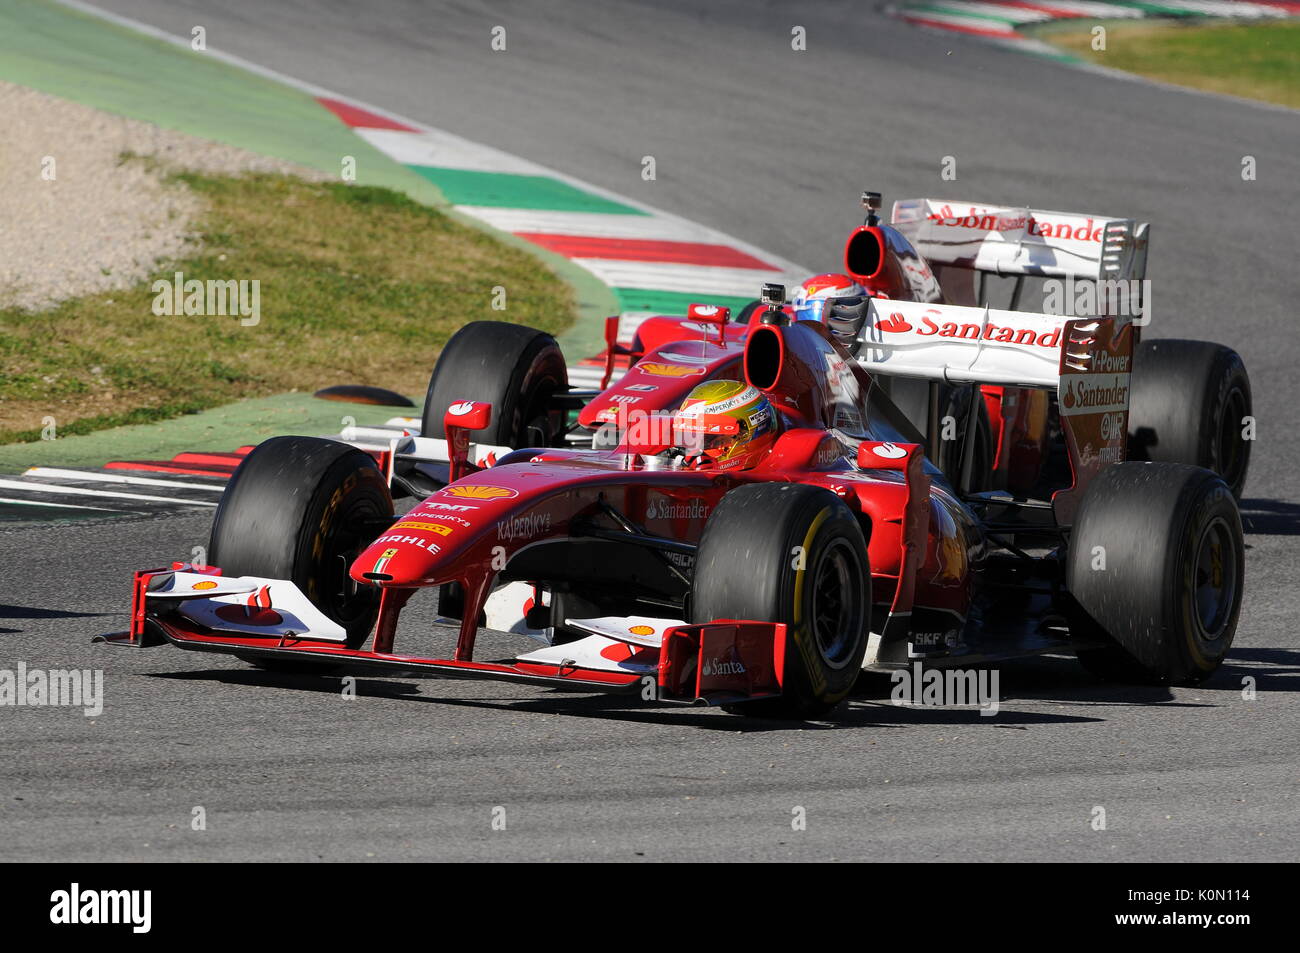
[
  {"x": 725, "y": 425},
  {"x": 810, "y": 298}
]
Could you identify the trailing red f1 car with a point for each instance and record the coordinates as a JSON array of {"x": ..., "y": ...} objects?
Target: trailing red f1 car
[
  {"x": 751, "y": 521},
  {"x": 1190, "y": 401}
]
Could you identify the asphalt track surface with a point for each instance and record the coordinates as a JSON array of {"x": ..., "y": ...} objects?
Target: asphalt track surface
[{"x": 772, "y": 146}]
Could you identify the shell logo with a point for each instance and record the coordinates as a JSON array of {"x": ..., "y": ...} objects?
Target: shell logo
[
  {"x": 668, "y": 370},
  {"x": 642, "y": 630},
  {"x": 480, "y": 492},
  {"x": 206, "y": 584}
]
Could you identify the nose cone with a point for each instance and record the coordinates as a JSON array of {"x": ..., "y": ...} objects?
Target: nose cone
[{"x": 404, "y": 556}]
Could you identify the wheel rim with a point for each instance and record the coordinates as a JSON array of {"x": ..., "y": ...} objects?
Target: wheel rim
[
  {"x": 1232, "y": 448},
  {"x": 835, "y": 615},
  {"x": 1214, "y": 577},
  {"x": 348, "y": 602}
]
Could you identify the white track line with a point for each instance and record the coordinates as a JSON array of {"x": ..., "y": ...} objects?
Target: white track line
[
  {"x": 60, "y": 506},
  {"x": 82, "y": 491},
  {"x": 443, "y": 151},
  {"x": 61, "y": 474}
]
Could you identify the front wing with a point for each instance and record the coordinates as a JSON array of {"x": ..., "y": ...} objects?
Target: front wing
[{"x": 723, "y": 662}]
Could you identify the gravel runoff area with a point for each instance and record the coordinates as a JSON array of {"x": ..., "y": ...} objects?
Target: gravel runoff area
[{"x": 75, "y": 218}]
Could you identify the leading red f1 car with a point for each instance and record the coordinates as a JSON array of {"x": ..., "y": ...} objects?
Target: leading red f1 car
[{"x": 751, "y": 521}]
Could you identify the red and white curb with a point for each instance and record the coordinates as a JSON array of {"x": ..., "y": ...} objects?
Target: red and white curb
[
  {"x": 652, "y": 261},
  {"x": 1000, "y": 22}
]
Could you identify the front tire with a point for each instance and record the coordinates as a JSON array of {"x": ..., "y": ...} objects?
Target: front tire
[
  {"x": 1155, "y": 569},
  {"x": 1189, "y": 404},
  {"x": 514, "y": 368},
  {"x": 746, "y": 311},
  {"x": 301, "y": 509},
  {"x": 784, "y": 552}
]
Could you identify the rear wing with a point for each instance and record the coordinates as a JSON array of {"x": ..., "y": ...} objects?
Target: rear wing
[
  {"x": 1086, "y": 361},
  {"x": 961, "y": 344},
  {"x": 1004, "y": 240}
]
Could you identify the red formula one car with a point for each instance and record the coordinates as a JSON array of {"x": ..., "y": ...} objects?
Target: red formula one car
[
  {"x": 1190, "y": 401},
  {"x": 746, "y": 519}
]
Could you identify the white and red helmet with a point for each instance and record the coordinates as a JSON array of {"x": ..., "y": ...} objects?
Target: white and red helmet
[{"x": 810, "y": 298}]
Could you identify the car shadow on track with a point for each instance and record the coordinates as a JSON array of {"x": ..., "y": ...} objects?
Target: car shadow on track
[
  {"x": 1274, "y": 670},
  {"x": 1024, "y": 682},
  {"x": 323, "y": 684},
  {"x": 856, "y": 713},
  {"x": 1270, "y": 518},
  {"x": 1049, "y": 678},
  {"x": 30, "y": 612}
]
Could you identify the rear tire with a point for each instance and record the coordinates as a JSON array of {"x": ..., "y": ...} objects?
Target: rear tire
[
  {"x": 958, "y": 401},
  {"x": 748, "y": 567},
  {"x": 1155, "y": 570},
  {"x": 301, "y": 509},
  {"x": 514, "y": 368},
  {"x": 1188, "y": 405}
]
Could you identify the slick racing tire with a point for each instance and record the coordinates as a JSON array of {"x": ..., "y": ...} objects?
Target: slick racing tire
[
  {"x": 1188, "y": 405},
  {"x": 302, "y": 508},
  {"x": 745, "y": 312},
  {"x": 783, "y": 552},
  {"x": 516, "y": 369},
  {"x": 956, "y": 402},
  {"x": 1155, "y": 570}
]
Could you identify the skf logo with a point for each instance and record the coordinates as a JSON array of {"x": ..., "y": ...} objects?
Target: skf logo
[
  {"x": 479, "y": 492},
  {"x": 76, "y": 906}
]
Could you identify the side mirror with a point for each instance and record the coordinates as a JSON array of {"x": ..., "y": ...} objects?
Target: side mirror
[
  {"x": 876, "y": 455},
  {"x": 647, "y": 435},
  {"x": 460, "y": 418},
  {"x": 710, "y": 314}
]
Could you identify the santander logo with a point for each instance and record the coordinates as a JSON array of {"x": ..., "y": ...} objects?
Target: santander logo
[
  {"x": 895, "y": 324},
  {"x": 986, "y": 221},
  {"x": 1001, "y": 333}
]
